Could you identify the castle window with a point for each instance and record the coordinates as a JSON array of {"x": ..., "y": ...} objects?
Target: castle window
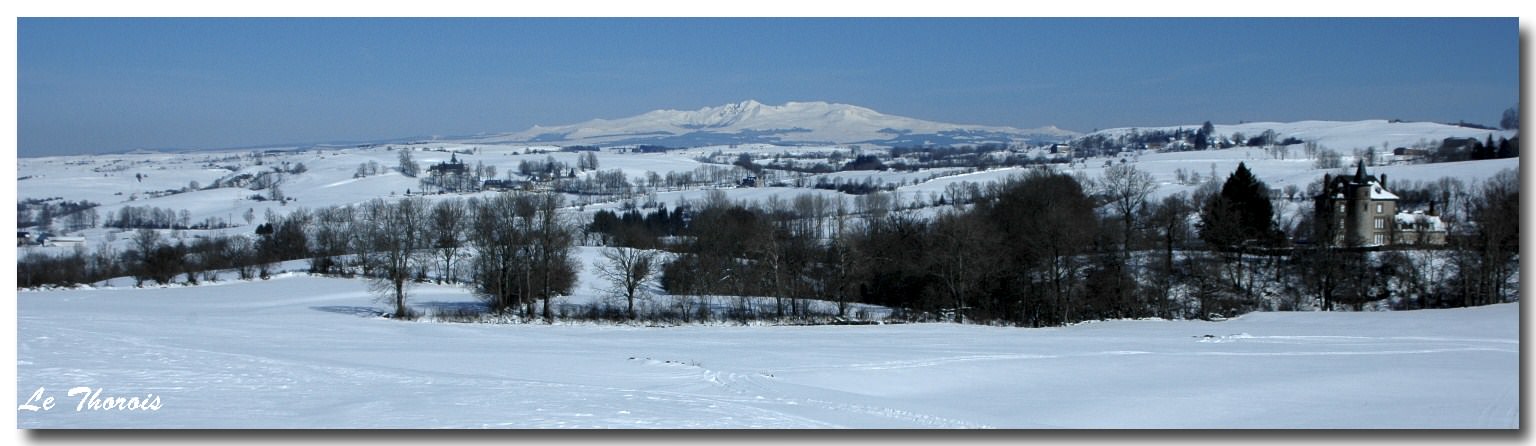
[
  {"x": 1380, "y": 239},
  {"x": 1378, "y": 208},
  {"x": 1381, "y": 223}
]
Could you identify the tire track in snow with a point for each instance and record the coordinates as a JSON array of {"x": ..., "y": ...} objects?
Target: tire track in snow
[
  {"x": 931, "y": 362},
  {"x": 548, "y": 404},
  {"x": 755, "y": 390}
]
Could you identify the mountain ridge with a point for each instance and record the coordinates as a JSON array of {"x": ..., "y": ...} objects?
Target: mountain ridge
[{"x": 794, "y": 122}]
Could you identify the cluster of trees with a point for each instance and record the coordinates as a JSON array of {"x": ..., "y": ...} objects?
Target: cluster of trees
[
  {"x": 407, "y": 164},
  {"x": 603, "y": 182},
  {"x": 984, "y": 156},
  {"x": 587, "y": 161},
  {"x": 517, "y": 250},
  {"x": 634, "y": 229},
  {"x": 1017, "y": 256},
  {"x": 903, "y": 158},
  {"x": 1049, "y": 249},
  {"x": 524, "y": 252},
  {"x": 79, "y": 266},
  {"x": 368, "y": 169},
  {"x": 150, "y": 257},
  {"x": 266, "y": 180},
  {"x": 546, "y": 170},
  {"x": 456, "y": 177},
  {"x": 616, "y": 182},
  {"x": 746, "y": 250},
  {"x": 75, "y": 215},
  {"x": 867, "y": 186},
  {"x": 521, "y": 250},
  {"x": 150, "y": 217},
  {"x": 1505, "y": 148}
]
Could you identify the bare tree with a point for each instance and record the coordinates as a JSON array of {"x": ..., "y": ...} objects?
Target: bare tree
[
  {"x": 1494, "y": 248},
  {"x": 391, "y": 233},
  {"x": 964, "y": 257},
  {"x": 1170, "y": 223},
  {"x": 553, "y": 241},
  {"x": 449, "y": 222},
  {"x": 1127, "y": 189},
  {"x": 627, "y": 271},
  {"x": 142, "y": 257},
  {"x": 408, "y": 165},
  {"x": 500, "y": 260},
  {"x": 329, "y": 237}
]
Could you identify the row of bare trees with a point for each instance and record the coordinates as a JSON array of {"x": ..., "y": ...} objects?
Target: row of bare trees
[
  {"x": 524, "y": 251},
  {"x": 518, "y": 248},
  {"x": 1049, "y": 248},
  {"x": 1045, "y": 248}
]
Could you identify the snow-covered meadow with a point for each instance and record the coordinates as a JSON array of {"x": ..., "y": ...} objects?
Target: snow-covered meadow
[
  {"x": 329, "y": 179},
  {"x": 307, "y": 352}
]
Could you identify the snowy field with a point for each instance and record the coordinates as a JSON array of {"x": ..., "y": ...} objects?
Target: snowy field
[
  {"x": 306, "y": 352},
  {"x": 299, "y": 351}
]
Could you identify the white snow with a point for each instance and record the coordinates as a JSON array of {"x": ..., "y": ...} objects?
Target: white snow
[
  {"x": 812, "y": 121},
  {"x": 306, "y": 352},
  {"x": 1343, "y": 136},
  {"x": 299, "y": 351},
  {"x": 1419, "y": 218},
  {"x": 1377, "y": 193}
]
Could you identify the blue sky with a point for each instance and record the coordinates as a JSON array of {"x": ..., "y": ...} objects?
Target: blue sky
[{"x": 94, "y": 85}]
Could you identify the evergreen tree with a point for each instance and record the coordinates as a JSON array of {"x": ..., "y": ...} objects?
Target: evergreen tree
[
  {"x": 1203, "y": 136},
  {"x": 1241, "y": 213}
]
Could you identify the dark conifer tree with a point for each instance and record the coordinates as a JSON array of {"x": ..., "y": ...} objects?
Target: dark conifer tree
[{"x": 1240, "y": 214}]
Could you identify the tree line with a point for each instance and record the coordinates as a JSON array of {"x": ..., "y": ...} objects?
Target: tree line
[
  {"x": 1042, "y": 249},
  {"x": 1049, "y": 249}
]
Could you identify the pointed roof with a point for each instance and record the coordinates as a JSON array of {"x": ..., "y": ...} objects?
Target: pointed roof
[{"x": 1360, "y": 172}]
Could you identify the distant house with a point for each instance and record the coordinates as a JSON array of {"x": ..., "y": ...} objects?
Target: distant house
[
  {"x": 1407, "y": 155},
  {"x": 66, "y": 242},
  {"x": 1359, "y": 211},
  {"x": 749, "y": 181},
  {"x": 451, "y": 167},
  {"x": 504, "y": 185},
  {"x": 1419, "y": 228},
  {"x": 23, "y": 238},
  {"x": 450, "y": 176}
]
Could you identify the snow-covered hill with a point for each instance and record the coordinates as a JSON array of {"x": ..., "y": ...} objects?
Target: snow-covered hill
[
  {"x": 300, "y": 351},
  {"x": 792, "y": 123},
  {"x": 307, "y": 352},
  {"x": 146, "y": 179},
  {"x": 1344, "y": 136}
]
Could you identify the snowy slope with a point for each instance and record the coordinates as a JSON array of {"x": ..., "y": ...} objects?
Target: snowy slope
[
  {"x": 300, "y": 351},
  {"x": 1343, "y": 136},
  {"x": 114, "y": 180},
  {"x": 750, "y": 121},
  {"x": 305, "y": 352}
]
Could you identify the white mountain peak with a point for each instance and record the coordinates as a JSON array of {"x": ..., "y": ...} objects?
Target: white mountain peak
[{"x": 792, "y": 122}]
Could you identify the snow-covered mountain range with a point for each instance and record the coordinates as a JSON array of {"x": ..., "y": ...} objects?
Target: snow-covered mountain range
[{"x": 750, "y": 122}]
